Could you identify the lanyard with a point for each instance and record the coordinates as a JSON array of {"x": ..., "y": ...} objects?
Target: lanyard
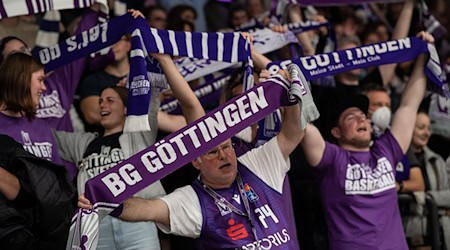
[{"x": 219, "y": 198}]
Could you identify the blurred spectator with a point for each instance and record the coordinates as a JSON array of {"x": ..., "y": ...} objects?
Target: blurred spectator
[
  {"x": 181, "y": 25},
  {"x": 216, "y": 14},
  {"x": 156, "y": 17},
  {"x": 24, "y": 27},
  {"x": 181, "y": 13},
  {"x": 195, "y": 14},
  {"x": 436, "y": 180},
  {"x": 255, "y": 8},
  {"x": 439, "y": 112},
  {"x": 237, "y": 16}
]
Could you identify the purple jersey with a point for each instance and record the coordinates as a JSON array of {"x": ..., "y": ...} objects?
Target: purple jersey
[
  {"x": 224, "y": 229},
  {"x": 35, "y": 136},
  {"x": 358, "y": 192}
]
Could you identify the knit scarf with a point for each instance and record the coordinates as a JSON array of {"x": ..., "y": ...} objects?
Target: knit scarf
[
  {"x": 13, "y": 8},
  {"x": 109, "y": 189},
  {"x": 224, "y": 47}
]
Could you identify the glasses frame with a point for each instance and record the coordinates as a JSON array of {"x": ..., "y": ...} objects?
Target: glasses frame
[{"x": 214, "y": 153}]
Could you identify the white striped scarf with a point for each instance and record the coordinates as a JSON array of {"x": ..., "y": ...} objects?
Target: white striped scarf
[
  {"x": 11, "y": 8},
  {"x": 226, "y": 47}
]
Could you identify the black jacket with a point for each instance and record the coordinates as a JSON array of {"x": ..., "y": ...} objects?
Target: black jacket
[{"x": 39, "y": 218}]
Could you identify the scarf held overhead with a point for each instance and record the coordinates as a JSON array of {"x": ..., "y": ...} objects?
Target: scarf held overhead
[
  {"x": 395, "y": 51},
  {"x": 224, "y": 47},
  {"x": 11, "y": 8},
  {"x": 109, "y": 189}
]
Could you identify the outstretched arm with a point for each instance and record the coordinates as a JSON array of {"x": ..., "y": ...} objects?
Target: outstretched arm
[
  {"x": 405, "y": 116},
  {"x": 138, "y": 209},
  {"x": 190, "y": 105}
]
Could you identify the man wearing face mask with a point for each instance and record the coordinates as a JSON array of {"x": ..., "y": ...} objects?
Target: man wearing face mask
[{"x": 408, "y": 174}]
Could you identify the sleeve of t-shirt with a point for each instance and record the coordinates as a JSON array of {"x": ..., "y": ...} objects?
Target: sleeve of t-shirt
[
  {"x": 267, "y": 162},
  {"x": 184, "y": 213},
  {"x": 390, "y": 146},
  {"x": 329, "y": 157},
  {"x": 413, "y": 161}
]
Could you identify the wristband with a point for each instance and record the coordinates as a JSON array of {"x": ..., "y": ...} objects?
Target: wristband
[{"x": 400, "y": 188}]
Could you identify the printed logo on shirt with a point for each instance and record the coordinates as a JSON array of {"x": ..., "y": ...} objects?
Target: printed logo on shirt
[
  {"x": 223, "y": 208},
  {"x": 250, "y": 193},
  {"x": 236, "y": 232},
  {"x": 95, "y": 163},
  {"x": 236, "y": 198},
  {"x": 50, "y": 106},
  {"x": 39, "y": 149},
  {"x": 361, "y": 179},
  {"x": 400, "y": 167}
]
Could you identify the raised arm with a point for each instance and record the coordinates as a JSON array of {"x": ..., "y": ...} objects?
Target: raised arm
[
  {"x": 313, "y": 145},
  {"x": 291, "y": 134},
  {"x": 401, "y": 30},
  {"x": 405, "y": 116},
  {"x": 190, "y": 105},
  {"x": 295, "y": 15}
]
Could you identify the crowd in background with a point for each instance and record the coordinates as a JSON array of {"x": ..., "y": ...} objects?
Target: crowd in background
[{"x": 91, "y": 114}]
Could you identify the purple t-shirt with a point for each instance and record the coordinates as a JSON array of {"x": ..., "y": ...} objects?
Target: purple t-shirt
[
  {"x": 35, "y": 136},
  {"x": 359, "y": 194},
  {"x": 62, "y": 83}
]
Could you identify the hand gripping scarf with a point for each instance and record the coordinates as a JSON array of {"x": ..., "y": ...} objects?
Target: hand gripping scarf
[
  {"x": 225, "y": 47},
  {"x": 109, "y": 189}
]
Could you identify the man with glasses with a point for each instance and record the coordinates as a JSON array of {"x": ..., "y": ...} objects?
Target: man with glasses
[{"x": 235, "y": 203}]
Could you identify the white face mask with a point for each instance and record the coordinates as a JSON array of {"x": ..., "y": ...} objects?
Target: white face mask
[{"x": 382, "y": 118}]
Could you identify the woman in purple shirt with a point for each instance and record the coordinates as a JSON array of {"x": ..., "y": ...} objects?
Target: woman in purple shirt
[{"x": 22, "y": 84}]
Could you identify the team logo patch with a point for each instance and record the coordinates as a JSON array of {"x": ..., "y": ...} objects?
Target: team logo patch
[
  {"x": 250, "y": 193},
  {"x": 223, "y": 208}
]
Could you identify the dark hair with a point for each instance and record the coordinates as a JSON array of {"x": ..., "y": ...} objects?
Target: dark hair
[
  {"x": 175, "y": 12},
  {"x": 366, "y": 88},
  {"x": 15, "y": 83},
  {"x": 236, "y": 8},
  {"x": 179, "y": 26},
  {"x": 6, "y": 40},
  {"x": 121, "y": 91},
  {"x": 149, "y": 11},
  {"x": 236, "y": 79}
]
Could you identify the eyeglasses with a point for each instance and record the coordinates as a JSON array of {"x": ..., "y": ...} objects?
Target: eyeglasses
[{"x": 214, "y": 153}]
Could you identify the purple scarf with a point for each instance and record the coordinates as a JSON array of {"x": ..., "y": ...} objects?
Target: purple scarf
[
  {"x": 109, "y": 189},
  {"x": 224, "y": 47},
  {"x": 27, "y": 7},
  {"x": 396, "y": 51}
]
